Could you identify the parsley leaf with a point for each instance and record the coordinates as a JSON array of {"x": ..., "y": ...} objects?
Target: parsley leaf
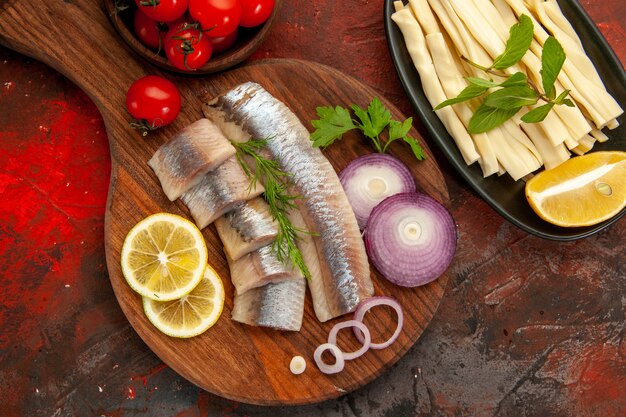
[
  {"x": 399, "y": 130},
  {"x": 374, "y": 119},
  {"x": 332, "y": 124}
]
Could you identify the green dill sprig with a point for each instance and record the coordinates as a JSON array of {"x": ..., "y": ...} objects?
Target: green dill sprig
[{"x": 278, "y": 199}]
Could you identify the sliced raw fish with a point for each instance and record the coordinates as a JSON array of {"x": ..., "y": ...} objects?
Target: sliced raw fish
[
  {"x": 311, "y": 258},
  {"x": 260, "y": 267},
  {"x": 181, "y": 162},
  {"x": 278, "y": 305},
  {"x": 218, "y": 192},
  {"x": 247, "y": 227},
  {"x": 344, "y": 275}
]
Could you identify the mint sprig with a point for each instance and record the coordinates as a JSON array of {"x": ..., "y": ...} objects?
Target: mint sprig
[
  {"x": 333, "y": 122},
  {"x": 516, "y": 91}
]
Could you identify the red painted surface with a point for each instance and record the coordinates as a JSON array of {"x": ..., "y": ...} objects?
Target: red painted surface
[{"x": 527, "y": 327}]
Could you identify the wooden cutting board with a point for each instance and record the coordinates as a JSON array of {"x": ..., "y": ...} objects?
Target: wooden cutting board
[{"x": 239, "y": 362}]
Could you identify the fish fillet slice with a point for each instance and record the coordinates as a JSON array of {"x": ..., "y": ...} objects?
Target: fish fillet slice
[
  {"x": 218, "y": 192},
  {"x": 344, "y": 279},
  {"x": 259, "y": 268},
  {"x": 307, "y": 247},
  {"x": 181, "y": 162},
  {"x": 278, "y": 305},
  {"x": 246, "y": 228}
]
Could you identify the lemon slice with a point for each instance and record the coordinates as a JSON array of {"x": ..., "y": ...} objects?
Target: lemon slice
[
  {"x": 193, "y": 313},
  {"x": 582, "y": 191},
  {"x": 163, "y": 257}
]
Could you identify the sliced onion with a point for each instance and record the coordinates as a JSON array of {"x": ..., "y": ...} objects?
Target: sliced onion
[
  {"x": 410, "y": 238},
  {"x": 359, "y": 327},
  {"x": 368, "y": 304},
  {"x": 323, "y": 366},
  {"x": 370, "y": 179}
]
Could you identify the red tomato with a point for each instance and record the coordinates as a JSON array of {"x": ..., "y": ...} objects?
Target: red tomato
[
  {"x": 217, "y": 18},
  {"x": 147, "y": 30},
  {"x": 222, "y": 44},
  {"x": 163, "y": 10},
  {"x": 153, "y": 101},
  {"x": 255, "y": 12},
  {"x": 187, "y": 48}
]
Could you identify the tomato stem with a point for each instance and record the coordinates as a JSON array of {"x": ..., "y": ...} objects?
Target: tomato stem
[
  {"x": 143, "y": 126},
  {"x": 153, "y": 3}
]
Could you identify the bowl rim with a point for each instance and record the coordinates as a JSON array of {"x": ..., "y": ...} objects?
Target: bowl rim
[{"x": 218, "y": 63}]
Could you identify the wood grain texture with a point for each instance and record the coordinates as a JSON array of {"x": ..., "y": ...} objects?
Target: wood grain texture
[{"x": 232, "y": 360}]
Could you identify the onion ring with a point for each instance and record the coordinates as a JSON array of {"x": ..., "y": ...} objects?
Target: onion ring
[
  {"x": 365, "y": 340},
  {"x": 337, "y": 353},
  {"x": 366, "y": 305}
]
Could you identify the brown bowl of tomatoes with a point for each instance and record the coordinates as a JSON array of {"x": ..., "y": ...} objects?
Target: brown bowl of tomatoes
[{"x": 193, "y": 36}]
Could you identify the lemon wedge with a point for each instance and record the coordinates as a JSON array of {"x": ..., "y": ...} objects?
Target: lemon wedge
[
  {"x": 582, "y": 191},
  {"x": 193, "y": 313},
  {"x": 164, "y": 257}
]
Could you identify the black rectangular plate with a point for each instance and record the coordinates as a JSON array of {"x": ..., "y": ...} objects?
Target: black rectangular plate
[{"x": 502, "y": 193}]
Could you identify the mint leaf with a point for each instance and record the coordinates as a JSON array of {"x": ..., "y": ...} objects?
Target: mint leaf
[
  {"x": 486, "y": 118},
  {"x": 561, "y": 99},
  {"x": 552, "y": 59},
  {"x": 374, "y": 120},
  {"x": 519, "y": 78},
  {"x": 332, "y": 124},
  {"x": 520, "y": 38},
  {"x": 568, "y": 102},
  {"x": 468, "y": 93},
  {"x": 481, "y": 82},
  {"x": 538, "y": 114},
  {"x": 512, "y": 97}
]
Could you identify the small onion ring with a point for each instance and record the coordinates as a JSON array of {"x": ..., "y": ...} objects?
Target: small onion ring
[
  {"x": 366, "y": 305},
  {"x": 337, "y": 353},
  {"x": 366, "y": 338}
]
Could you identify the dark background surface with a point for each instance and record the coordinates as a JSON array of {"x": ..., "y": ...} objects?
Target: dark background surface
[{"x": 527, "y": 327}]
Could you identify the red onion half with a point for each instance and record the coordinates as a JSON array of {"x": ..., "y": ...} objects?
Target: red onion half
[
  {"x": 323, "y": 366},
  {"x": 410, "y": 238},
  {"x": 370, "y": 179},
  {"x": 370, "y": 303}
]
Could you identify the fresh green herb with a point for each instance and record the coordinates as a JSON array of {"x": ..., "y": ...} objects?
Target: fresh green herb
[
  {"x": 520, "y": 38},
  {"x": 334, "y": 122},
  {"x": 275, "y": 181},
  {"x": 516, "y": 91}
]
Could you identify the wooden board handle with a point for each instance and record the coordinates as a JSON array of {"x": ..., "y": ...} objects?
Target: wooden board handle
[{"x": 77, "y": 39}]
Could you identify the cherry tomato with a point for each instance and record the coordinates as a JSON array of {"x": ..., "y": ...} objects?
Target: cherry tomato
[
  {"x": 147, "y": 30},
  {"x": 187, "y": 48},
  {"x": 163, "y": 10},
  {"x": 153, "y": 101},
  {"x": 255, "y": 12},
  {"x": 217, "y": 18},
  {"x": 222, "y": 44}
]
